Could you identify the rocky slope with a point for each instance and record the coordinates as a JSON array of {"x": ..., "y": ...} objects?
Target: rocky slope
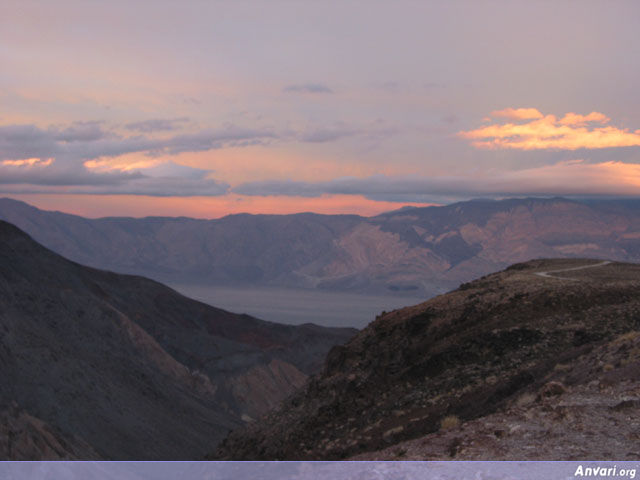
[
  {"x": 24, "y": 437},
  {"x": 585, "y": 409},
  {"x": 508, "y": 357},
  {"x": 424, "y": 251},
  {"x": 122, "y": 367}
]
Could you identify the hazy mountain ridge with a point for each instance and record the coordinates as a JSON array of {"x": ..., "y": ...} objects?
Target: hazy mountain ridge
[
  {"x": 480, "y": 361},
  {"x": 419, "y": 250},
  {"x": 129, "y": 366}
]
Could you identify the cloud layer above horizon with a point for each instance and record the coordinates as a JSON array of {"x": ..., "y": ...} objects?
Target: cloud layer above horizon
[
  {"x": 567, "y": 178},
  {"x": 79, "y": 159},
  {"x": 233, "y": 106}
]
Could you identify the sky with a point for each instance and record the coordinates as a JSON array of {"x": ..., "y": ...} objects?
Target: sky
[{"x": 207, "y": 108}]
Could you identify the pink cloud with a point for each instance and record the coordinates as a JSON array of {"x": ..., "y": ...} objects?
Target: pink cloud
[
  {"x": 576, "y": 119},
  {"x": 517, "y": 113},
  {"x": 571, "y": 132}
]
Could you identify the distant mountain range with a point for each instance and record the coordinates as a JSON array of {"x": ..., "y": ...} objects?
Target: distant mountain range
[
  {"x": 418, "y": 251},
  {"x": 100, "y": 365},
  {"x": 537, "y": 362}
]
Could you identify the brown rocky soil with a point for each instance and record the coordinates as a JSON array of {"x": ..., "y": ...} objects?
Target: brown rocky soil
[
  {"x": 477, "y": 362},
  {"x": 23, "y": 436},
  {"x": 586, "y": 410}
]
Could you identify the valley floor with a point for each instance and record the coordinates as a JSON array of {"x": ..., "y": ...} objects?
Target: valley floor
[{"x": 298, "y": 306}]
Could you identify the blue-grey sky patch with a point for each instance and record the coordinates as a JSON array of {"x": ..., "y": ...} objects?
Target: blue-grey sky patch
[
  {"x": 79, "y": 132},
  {"x": 307, "y": 88},
  {"x": 152, "y": 187},
  {"x": 321, "y": 135},
  {"x": 229, "y": 136},
  {"x": 88, "y": 142},
  {"x": 60, "y": 173},
  {"x": 167, "y": 179},
  {"x": 157, "y": 124},
  {"x": 339, "y": 130},
  {"x": 450, "y": 118}
]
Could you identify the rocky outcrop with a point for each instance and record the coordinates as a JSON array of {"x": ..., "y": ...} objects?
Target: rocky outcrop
[
  {"x": 262, "y": 387},
  {"x": 23, "y": 436},
  {"x": 585, "y": 409},
  {"x": 483, "y": 350}
]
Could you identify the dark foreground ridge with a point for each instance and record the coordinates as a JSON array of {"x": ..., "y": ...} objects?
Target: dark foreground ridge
[
  {"x": 514, "y": 365},
  {"x": 100, "y": 365}
]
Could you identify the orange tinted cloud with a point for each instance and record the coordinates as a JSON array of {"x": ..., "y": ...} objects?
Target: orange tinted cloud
[
  {"x": 518, "y": 113},
  {"x": 28, "y": 162},
  {"x": 124, "y": 163},
  {"x": 576, "y": 119},
  {"x": 571, "y": 132}
]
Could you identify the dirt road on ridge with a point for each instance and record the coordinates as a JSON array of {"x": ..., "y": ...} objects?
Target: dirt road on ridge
[{"x": 549, "y": 273}]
